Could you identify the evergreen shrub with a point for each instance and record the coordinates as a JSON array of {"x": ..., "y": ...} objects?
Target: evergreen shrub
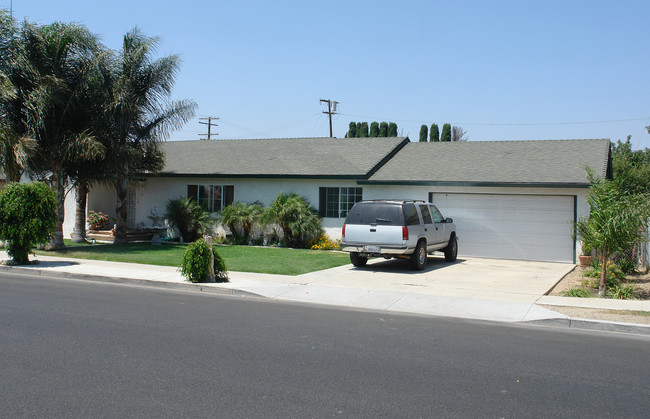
[{"x": 196, "y": 262}]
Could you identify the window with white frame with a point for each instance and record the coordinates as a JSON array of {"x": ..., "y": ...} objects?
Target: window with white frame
[
  {"x": 337, "y": 202},
  {"x": 212, "y": 198}
]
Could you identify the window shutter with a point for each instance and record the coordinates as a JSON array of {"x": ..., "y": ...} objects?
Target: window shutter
[
  {"x": 229, "y": 195},
  {"x": 322, "y": 202}
]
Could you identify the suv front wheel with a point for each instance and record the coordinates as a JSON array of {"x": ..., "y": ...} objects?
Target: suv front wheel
[
  {"x": 451, "y": 251},
  {"x": 418, "y": 259}
]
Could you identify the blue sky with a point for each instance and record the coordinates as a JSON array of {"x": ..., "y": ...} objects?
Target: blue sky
[{"x": 502, "y": 70}]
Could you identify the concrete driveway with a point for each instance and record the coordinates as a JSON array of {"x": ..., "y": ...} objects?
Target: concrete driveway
[{"x": 474, "y": 278}]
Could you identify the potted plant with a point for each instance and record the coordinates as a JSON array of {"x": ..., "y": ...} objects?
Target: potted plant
[
  {"x": 585, "y": 258},
  {"x": 98, "y": 220},
  {"x": 584, "y": 232}
]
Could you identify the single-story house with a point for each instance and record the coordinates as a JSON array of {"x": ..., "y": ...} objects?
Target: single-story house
[{"x": 509, "y": 199}]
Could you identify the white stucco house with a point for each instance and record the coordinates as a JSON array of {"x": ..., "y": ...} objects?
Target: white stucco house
[{"x": 509, "y": 199}]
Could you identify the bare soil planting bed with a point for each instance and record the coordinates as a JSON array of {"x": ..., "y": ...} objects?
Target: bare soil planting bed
[{"x": 574, "y": 278}]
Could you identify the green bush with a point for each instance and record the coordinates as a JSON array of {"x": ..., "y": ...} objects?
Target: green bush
[
  {"x": 628, "y": 266},
  {"x": 188, "y": 217},
  {"x": 622, "y": 292},
  {"x": 196, "y": 262},
  {"x": 577, "y": 292},
  {"x": 614, "y": 275},
  {"x": 28, "y": 214}
]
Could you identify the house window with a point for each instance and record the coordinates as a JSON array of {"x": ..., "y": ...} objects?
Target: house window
[
  {"x": 211, "y": 198},
  {"x": 337, "y": 202}
]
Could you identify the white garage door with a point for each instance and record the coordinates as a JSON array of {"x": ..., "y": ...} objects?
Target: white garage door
[{"x": 528, "y": 227}]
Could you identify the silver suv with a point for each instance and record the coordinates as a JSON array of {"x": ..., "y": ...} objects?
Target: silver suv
[{"x": 396, "y": 228}]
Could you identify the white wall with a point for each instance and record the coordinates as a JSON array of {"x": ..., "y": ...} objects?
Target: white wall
[
  {"x": 158, "y": 191},
  {"x": 70, "y": 209}
]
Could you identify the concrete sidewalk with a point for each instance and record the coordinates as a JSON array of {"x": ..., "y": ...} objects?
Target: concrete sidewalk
[{"x": 485, "y": 289}]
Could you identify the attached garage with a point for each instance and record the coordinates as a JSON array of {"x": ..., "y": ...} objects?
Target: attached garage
[
  {"x": 508, "y": 199},
  {"x": 511, "y": 226}
]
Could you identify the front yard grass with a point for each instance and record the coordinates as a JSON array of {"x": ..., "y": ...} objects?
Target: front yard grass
[{"x": 271, "y": 260}]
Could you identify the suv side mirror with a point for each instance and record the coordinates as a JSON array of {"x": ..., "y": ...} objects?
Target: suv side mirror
[{"x": 449, "y": 220}]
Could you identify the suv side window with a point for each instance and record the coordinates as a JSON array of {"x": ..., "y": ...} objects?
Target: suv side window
[
  {"x": 411, "y": 215},
  {"x": 426, "y": 215},
  {"x": 437, "y": 217}
]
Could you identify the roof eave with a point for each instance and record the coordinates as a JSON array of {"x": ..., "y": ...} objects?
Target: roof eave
[
  {"x": 257, "y": 176},
  {"x": 478, "y": 183}
]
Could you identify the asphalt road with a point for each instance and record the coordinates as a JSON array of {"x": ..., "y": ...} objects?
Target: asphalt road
[{"x": 82, "y": 349}]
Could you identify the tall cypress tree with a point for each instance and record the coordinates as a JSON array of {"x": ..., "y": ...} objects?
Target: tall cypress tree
[
  {"x": 392, "y": 129},
  {"x": 362, "y": 129},
  {"x": 434, "y": 134},
  {"x": 446, "y": 133},
  {"x": 352, "y": 131},
  {"x": 383, "y": 129},
  {"x": 374, "y": 129},
  {"x": 423, "y": 133}
]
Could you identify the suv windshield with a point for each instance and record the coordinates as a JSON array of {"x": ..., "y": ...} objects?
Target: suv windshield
[{"x": 375, "y": 213}]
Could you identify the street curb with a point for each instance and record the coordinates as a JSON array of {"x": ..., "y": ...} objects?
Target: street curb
[
  {"x": 188, "y": 286},
  {"x": 600, "y": 325},
  {"x": 572, "y": 323}
]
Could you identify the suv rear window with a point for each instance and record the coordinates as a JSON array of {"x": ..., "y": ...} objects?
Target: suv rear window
[{"x": 375, "y": 213}]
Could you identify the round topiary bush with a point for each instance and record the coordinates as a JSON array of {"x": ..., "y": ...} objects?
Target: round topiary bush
[
  {"x": 27, "y": 218},
  {"x": 195, "y": 266}
]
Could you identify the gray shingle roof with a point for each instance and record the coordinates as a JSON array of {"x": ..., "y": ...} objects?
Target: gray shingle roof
[
  {"x": 546, "y": 162},
  {"x": 282, "y": 157}
]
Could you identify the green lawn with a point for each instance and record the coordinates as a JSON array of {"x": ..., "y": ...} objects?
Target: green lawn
[{"x": 270, "y": 260}]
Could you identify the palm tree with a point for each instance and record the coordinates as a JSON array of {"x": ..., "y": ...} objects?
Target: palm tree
[
  {"x": 140, "y": 115},
  {"x": 89, "y": 170},
  {"x": 186, "y": 215},
  {"x": 242, "y": 216},
  {"x": 15, "y": 145},
  {"x": 293, "y": 214},
  {"x": 53, "y": 67}
]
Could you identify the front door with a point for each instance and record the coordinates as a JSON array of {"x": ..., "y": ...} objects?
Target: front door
[{"x": 130, "y": 207}]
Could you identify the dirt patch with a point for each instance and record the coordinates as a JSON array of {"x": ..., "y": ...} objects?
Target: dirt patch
[
  {"x": 640, "y": 317},
  {"x": 574, "y": 279}
]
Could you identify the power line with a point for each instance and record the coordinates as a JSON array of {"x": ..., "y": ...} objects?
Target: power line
[
  {"x": 510, "y": 124},
  {"x": 210, "y": 125}
]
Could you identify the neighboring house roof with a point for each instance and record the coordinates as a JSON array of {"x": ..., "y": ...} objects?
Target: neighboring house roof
[
  {"x": 355, "y": 158},
  {"x": 503, "y": 163}
]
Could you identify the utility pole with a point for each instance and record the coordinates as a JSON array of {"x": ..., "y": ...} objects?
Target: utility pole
[
  {"x": 331, "y": 110},
  {"x": 210, "y": 125}
]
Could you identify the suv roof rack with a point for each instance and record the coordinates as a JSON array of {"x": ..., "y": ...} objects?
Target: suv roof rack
[{"x": 393, "y": 200}]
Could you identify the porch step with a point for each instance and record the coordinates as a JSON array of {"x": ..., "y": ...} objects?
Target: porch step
[{"x": 107, "y": 236}]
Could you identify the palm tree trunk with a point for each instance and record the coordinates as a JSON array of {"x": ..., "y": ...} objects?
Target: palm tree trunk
[
  {"x": 603, "y": 273},
  {"x": 79, "y": 233},
  {"x": 121, "y": 212},
  {"x": 57, "y": 237}
]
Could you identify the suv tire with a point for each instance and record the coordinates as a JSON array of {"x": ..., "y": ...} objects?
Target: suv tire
[
  {"x": 451, "y": 251},
  {"x": 418, "y": 259},
  {"x": 358, "y": 259}
]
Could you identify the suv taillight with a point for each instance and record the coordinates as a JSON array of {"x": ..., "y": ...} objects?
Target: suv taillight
[
  {"x": 343, "y": 232},
  {"x": 405, "y": 233}
]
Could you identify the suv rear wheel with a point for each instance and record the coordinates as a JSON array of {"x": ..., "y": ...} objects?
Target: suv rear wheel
[
  {"x": 418, "y": 259},
  {"x": 358, "y": 259}
]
